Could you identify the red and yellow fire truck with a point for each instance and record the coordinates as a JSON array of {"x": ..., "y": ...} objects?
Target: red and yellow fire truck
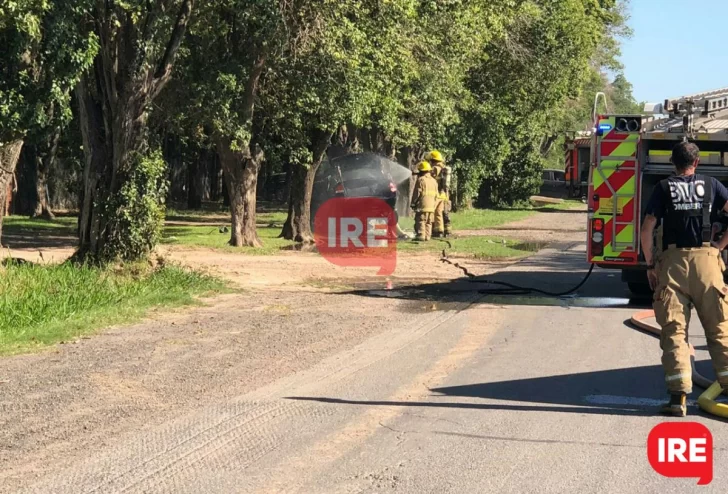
[
  {"x": 577, "y": 151},
  {"x": 630, "y": 154}
]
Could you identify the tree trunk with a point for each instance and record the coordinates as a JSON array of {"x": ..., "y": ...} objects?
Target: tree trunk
[
  {"x": 547, "y": 143},
  {"x": 241, "y": 174},
  {"x": 9, "y": 156},
  {"x": 195, "y": 182},
  {"x": 216, "y": 177},
  {"x": 225, "y": 188},
  {"x": 406, "y": 157},
  {"x": 241, "y": 166},
  {"x": 96, "y": 176},
  {"x": 298, "y": 223},
  {"x": 109, "y": 162},
  {"x": 45, "y": 159},
  {"x": 289, "y": 183},
  {"x": 113, "y": 102},
  {"x": 345, "y": 143}
]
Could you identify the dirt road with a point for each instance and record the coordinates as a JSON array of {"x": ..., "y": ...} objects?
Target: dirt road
[
  {"x": 483, "y": 394},
  {"x": 294, "y": 270},
  {"x": 77, "y": 403}
]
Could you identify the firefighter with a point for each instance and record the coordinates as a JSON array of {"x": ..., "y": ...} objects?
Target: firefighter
[
  {"x": 688, "y": 272},
  {"x": 424, "y": 201},
  {"x": 442, "y": 173}
]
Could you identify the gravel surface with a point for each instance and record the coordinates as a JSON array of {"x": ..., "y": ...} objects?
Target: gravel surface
[
  {"x": 58, "y": 405},
  {"x": 496, "y": 394},
  {"x": 90, "y": 394},
  {"x": 546, "y": 227}
]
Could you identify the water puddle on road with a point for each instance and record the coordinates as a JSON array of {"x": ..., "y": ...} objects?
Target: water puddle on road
[
  {"x": 422, "y": 290},
  {"x": 530, "y": 246},
  {"x": 440, "y": 292},
  {"x": 627, "y": 401},
  {"x": 586, "y": 302}
]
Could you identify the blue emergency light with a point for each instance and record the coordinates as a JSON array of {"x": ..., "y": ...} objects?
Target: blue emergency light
[{"x": 605, "y": 127}]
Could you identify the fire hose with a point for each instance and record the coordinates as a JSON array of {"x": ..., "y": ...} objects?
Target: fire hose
[
  {"x": 706, "y": 401},
  {"x": 505, "y": 287}
]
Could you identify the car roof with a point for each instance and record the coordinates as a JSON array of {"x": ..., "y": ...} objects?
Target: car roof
[{"x": 358, "y": 159}]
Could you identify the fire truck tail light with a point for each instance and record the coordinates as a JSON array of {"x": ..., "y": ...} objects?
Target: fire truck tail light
[{"x": 597, "y": 237}]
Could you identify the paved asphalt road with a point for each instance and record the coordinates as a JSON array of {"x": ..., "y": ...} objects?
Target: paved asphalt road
[{"x": 476, "y": 394}]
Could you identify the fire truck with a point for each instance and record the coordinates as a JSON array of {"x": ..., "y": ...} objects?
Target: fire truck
[
  {"x": 577, "y": 153},
  {"x": 630, "y": 154}
]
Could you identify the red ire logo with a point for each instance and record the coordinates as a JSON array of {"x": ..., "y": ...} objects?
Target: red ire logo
[
  {"x": 682, "y": 449},
  {"x": 357, "y": 231}
]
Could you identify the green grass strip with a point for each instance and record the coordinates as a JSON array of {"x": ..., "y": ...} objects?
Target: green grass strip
[{"x": 44, "y": 304}]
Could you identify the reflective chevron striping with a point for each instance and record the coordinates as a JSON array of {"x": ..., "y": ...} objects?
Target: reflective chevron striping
[{"x": 614, "y": 183}]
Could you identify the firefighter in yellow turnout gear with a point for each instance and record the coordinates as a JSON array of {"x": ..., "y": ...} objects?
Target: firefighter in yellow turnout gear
[
  {"x": 442, "y": 173},
  {"x": 688, "y": 272},
  {"x": 424, "y": 201}
]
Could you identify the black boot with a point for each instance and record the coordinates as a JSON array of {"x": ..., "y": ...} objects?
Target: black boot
[{"x": 676, "y": 407}]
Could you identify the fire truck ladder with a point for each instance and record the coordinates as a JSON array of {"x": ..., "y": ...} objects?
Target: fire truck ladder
[{"x": 710, "y": 105}]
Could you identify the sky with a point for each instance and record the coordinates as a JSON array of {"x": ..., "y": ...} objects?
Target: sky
[{"x": 678, "y": 48}]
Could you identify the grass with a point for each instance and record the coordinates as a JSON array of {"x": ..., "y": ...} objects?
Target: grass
[
  {"x": 42, "y": 305},
  {"x": 22, "y": 225},
  {"x": 474, "y": 219},
  {"x": 270, "y": 221},
  {"x": 482, "y": 219},
  {"x": 487, "y": 248},
  {"x": 477, "y": 219},
  {"x": 476, "y": 246},
  {"x": 267, "y": 214},
  {"x": 566, "y": 205},
  {"x": 209, "y": 236}
]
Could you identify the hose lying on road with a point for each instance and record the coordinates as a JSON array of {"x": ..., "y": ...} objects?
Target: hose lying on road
[
  {"x": 713, "y": 390},
  {"x": 509, "y": 288},
  {"x": 706, "y": 401}
]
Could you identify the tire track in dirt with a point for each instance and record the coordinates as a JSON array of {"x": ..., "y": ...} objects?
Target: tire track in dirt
[
  {"x": 323, "y": 454},
  {"x": 238, "y": 432}
]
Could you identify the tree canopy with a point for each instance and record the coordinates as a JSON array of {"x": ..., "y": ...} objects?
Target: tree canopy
[{"x": 252, "y": 88}]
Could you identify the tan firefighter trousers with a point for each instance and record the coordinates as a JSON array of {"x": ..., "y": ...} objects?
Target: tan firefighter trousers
[
  {"x": 441, "y": 223},
  {"x": 423, "y": 225},
  {"x": 687, "y": 278}
]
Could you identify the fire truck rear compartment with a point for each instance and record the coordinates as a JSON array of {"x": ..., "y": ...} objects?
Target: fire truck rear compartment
[{"x": 656, "y": 170}]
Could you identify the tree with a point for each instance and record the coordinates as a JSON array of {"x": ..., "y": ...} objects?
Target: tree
[
  {"x": 312, "y": 93},
  {"x": 231, "y": 44},
  {"x": 621, "y": 97},
  {"x": 45, "y": 152},
  {"x": 124, "y": 186},
  {"x": 42, "y": 58},
  {"x": 521, "y": 87},
  {"x": 244, "y": 51}
]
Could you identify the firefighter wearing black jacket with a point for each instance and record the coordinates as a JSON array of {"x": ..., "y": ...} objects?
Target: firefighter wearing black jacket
[{"x": 688, "y": 272}]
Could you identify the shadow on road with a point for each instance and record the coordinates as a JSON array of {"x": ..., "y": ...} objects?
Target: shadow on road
[
  {"x": 604, "y": 289},
  {"x": 635, "y": 391}
]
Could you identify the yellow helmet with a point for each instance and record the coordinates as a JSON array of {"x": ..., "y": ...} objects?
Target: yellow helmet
[
  {"x": 436, "y": 156},
  {"x": 424, "y": 166}
]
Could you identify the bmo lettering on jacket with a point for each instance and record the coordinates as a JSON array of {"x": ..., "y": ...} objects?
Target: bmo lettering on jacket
[
  {"x": 357, "y": 232},
  {"x": 682, "y": 450},
  {"x": 687, "y": 196}
]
